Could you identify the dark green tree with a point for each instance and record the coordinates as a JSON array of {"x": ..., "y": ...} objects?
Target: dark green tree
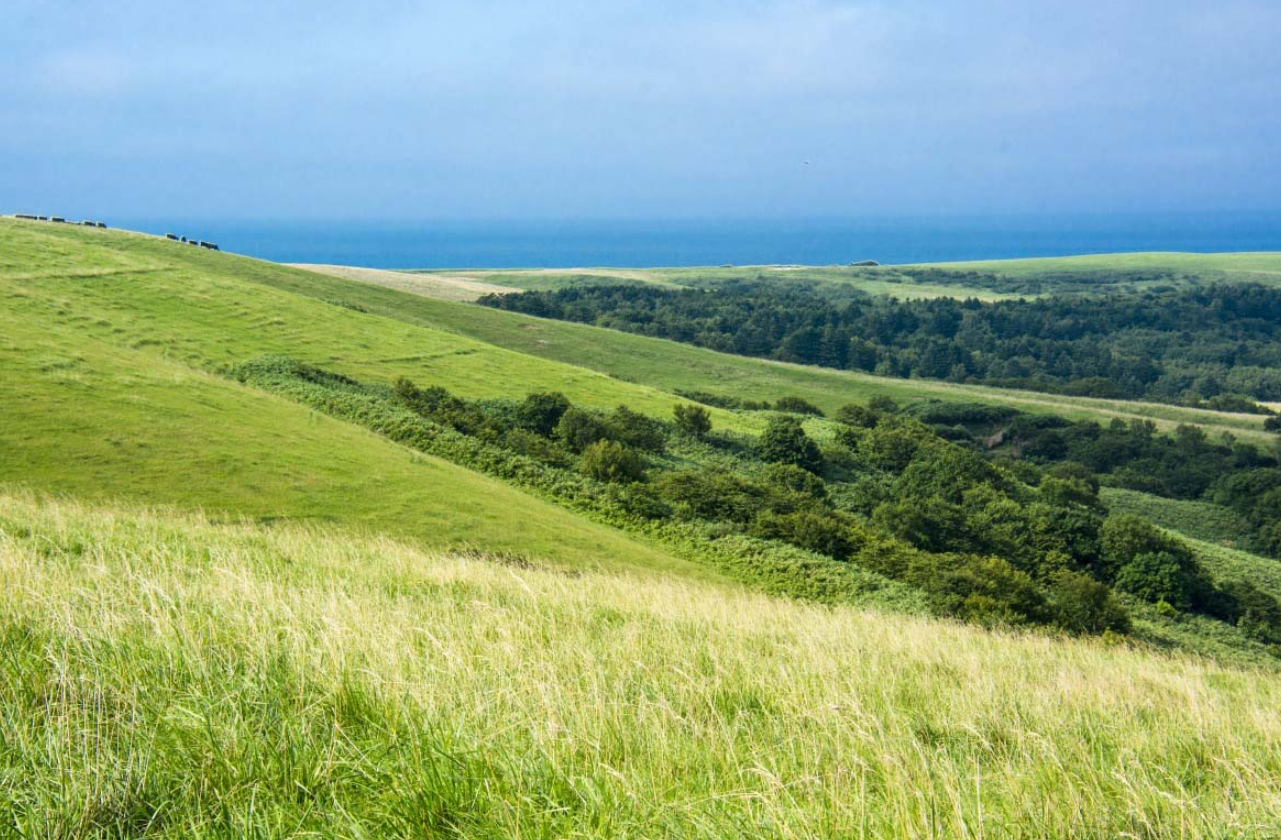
[
  {"x": 608, "y": 460},
  {"x": 692, "y": 419},
  {"x": 784, "y": 442},
  {"x": 541, "y": 412}
]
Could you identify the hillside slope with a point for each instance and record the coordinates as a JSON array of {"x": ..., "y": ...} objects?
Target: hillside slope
[
  {"x": 672, "y": 366},
  {"x": 106, "y": 380},
  {"x": 174, "y": 677}
]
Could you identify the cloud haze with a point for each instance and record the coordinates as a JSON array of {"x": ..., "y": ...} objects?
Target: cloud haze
[{"x": 638, "y": 109}]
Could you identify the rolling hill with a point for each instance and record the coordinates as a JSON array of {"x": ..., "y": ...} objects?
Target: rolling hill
[{"x": 228, "y": 610}]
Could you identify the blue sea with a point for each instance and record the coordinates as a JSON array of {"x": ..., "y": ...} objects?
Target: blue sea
[{"x": 561, "y": 244}]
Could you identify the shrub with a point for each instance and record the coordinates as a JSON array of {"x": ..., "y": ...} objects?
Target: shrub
[
  {"x": 785, "y": 442},
  {"x": 891, "y": 445},
  {"x": 637, "y": 430},
  {"x": 883, "y": 405},
  {"x": 796, "y": 480},
  {"x": 609, "y": 460},
  {"x": 712, "y": 495},
  {"x": 1157, "y": 576},
  {"x": 540, "y": 448},
  {"x": 929, "y": 523},
  {"x": 1124, "y": 537},
  {"x": 1074, "y": 470},
  {"x": 1083, "y": 605},
  {"x": 541, "y": 412},
  {"x": 822, "y": 534},
  {"x": 579, "y": 428},
  {"x": 858, "y": 416},
  {"x": 692, "y": 419},
  {"x": 797, "y": 405},
  {"x": 1273, "y": 423}
]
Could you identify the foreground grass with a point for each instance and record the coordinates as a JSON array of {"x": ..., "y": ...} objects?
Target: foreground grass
[{"x": 176, "y": 677}]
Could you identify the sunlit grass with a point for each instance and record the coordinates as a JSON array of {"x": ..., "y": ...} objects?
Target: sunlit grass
[{"x": 177, "y": 677}]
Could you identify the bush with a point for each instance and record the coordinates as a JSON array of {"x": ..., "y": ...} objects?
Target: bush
[
  {"x": 712, "y": 495},
  {"x": 579, "y": 428},
  {"x": 883, "y": 405},
  {"x": 785, "y": 442},
  {"x": 541, "y": 412},
  {"x": 858, "y": 416},
  {"x": 692, "y": 419},
  {"x": 1083, "y": 605},
  {"x": 796, "y": 480},
  {"x": 1124, "y": 537},
  {"x": 609, "y": 460},
  {"x": 1157, "y": 576},
  {"x": 822, "y": 534},
  {"x": 1272, "y": 424},
  {"x": 929, "y": 523},
  {"x": 534, "y": 446},
  {"x": 796, "y": 405},
  {"x": 637, "y": 430}
]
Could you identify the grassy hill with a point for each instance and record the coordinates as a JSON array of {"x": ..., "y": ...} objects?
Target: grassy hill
[
  {"x": 106, "y": 375},
  {"x": 171, "y": 676}
]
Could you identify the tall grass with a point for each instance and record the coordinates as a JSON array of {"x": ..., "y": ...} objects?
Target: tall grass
[{"x": 164, "y": 676}]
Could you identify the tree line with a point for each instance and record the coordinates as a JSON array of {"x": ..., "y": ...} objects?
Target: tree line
[{"x": 1217, "y": 346}]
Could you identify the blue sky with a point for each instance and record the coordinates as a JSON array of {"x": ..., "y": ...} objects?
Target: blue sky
[{"x": 567, "y": 109}]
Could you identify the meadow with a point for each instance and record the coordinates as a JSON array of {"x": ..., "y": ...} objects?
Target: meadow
[{"x": 168, "y": 675}]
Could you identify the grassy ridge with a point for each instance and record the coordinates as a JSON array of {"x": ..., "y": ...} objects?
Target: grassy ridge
[{"x": 171, "y": 677}]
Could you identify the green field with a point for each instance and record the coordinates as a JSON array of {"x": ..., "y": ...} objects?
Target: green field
[
  {"x": 885, "y": 280},
  {"x": 1133, "y": 270},
  {"x": 1251, "y": 267},
  {"x": 167, "y": 676}
]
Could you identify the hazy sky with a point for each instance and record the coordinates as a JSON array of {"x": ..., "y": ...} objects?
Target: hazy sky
[{"x": 382, "y": 108}]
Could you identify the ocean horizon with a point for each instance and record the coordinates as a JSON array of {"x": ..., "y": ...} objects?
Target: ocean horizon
[{"x": 404, "y": 243}]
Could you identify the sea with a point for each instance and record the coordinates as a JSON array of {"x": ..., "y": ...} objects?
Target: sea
[{"x": 400, "y": 243}]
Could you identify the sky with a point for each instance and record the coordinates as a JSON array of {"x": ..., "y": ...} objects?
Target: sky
[{"x": 655, "y": 109}]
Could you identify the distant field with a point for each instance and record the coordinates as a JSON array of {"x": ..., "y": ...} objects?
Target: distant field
[
  {"x": 1137, "y": 270},
  {"x": 1259, "y": 267},
  {"x": 874, "y": 281},
  {"x": 178, "y": 677}
]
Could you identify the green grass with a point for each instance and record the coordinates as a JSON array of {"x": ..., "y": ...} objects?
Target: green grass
[
  {"x": 107, "y": 394},
  {"x": 165, "y": 676},
  {"x": 1200, "y": 520},
  {"x": 1253, "y": 266}
]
